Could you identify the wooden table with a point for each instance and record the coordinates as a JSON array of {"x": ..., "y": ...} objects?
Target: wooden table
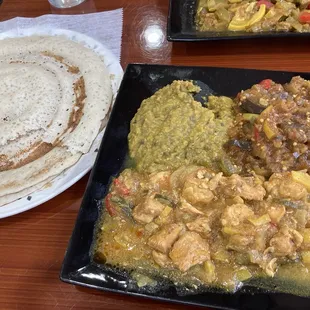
[{"x": 32, "y": 244}]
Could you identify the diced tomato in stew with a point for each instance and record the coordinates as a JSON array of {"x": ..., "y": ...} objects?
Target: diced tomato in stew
[
  {"x": 266, "y": 2},
  {"x": 111, "y": 210},
  {"x": 304, "y": 17},
  {"x": 266, "y": 83},
  {"x": 121, "y": 187},
  {"x": 256, "y": 134}
]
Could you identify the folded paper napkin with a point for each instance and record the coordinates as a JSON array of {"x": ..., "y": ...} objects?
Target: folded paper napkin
[{"x": 105, "y": 27}]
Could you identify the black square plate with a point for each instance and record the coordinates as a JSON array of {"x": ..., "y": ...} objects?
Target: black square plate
[
  {"x": 140, "y": 82},
  {"x": 181, "y": 26}
]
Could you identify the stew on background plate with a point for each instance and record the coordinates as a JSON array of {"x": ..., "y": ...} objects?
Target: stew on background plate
[{"x": 253, "y": 16}]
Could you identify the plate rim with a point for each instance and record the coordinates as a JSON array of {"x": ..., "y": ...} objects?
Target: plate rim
[{"x": 5, "y": 210}]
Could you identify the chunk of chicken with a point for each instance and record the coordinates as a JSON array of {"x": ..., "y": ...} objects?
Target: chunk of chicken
[
  {"x": 188, "y": 208},
  {"x": 246, "y": 187},
  {"x": 146, "y": 211},
  {"x": 237, "y": 199},
  {"x": 163, "y": 240},
  {"x": 235, "y": 214},
  {"x": 283, "y": 244},
  {"x": 286, "y": 241},
  {"x": 214, "y": 182},
  {"x": 302, "y": 217},
  {"x": 179, "y": 176},
  {"x": 297, "y": 238},
  {"x": 276, "y": 213},
  {"x": 160, "y": 180},
  {"x": 239, "y": 243},
  {"x": 288, "y": 221},
  {"x": 161, "y": 259},
  {"x": 131, "y": 180},
  {"x": 200, "y": 225},
  {"x": 265, "y": 261},
  {"x": 197, "y": 192},
  {"x": 270, "y": 267},
  {"x": 189, "y": 250},
  {"x": 260, "y": 239},
  {"x": 282, "y": 186}
]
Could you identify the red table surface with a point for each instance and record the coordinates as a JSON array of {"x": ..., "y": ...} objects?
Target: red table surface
[{"x": 32, "y": 244}]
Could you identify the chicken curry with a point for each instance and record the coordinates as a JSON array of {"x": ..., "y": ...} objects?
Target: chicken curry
[
  {"x": 219, "y": 224},
  {"x": 253, "y": 15}
]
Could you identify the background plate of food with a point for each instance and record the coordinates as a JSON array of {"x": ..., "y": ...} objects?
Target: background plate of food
[
  {"x": 200, "y": 199},
  {"x": 57, "y": 90},
  {"x": 204, "y": 20}
]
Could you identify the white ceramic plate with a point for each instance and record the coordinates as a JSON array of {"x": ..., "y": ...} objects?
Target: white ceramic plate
[{"x": 76, "y": 172}]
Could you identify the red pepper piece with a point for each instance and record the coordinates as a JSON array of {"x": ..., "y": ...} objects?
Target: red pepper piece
[
  {"x": 304, "y": 17},
  {"x": 266, "y": 83},
  {"x": 121, "y": 187},
  {"x": 109, "y": 205},
  {"x": 274, "y": 225},
  {"x": 139, "y": 233},
  {"x": 256, "y": 134}
]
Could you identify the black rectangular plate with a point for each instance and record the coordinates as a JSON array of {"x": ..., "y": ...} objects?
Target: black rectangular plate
[
  {"x": 181, "y": 26},
  {"x": 139, "y": 82}
]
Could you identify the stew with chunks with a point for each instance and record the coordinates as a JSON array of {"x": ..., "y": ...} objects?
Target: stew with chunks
[
  {"x": 223, "y": 220},
  {"x": 253, "y": 15}
]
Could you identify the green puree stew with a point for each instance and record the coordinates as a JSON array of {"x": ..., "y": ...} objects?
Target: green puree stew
[{"x": 171, "y": 129}]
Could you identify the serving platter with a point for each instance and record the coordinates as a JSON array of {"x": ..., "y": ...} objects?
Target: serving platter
[
  {"x": 70, "y": 176},
  {"x": 181, "y": 26},
  {"x": 79, "y": 268}
]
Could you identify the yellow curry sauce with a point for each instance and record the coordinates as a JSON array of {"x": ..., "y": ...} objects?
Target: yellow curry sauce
[{"x": 192, "y": 218}]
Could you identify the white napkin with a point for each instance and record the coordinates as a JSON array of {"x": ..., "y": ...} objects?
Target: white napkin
[{"x": 105, "y": 27}]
